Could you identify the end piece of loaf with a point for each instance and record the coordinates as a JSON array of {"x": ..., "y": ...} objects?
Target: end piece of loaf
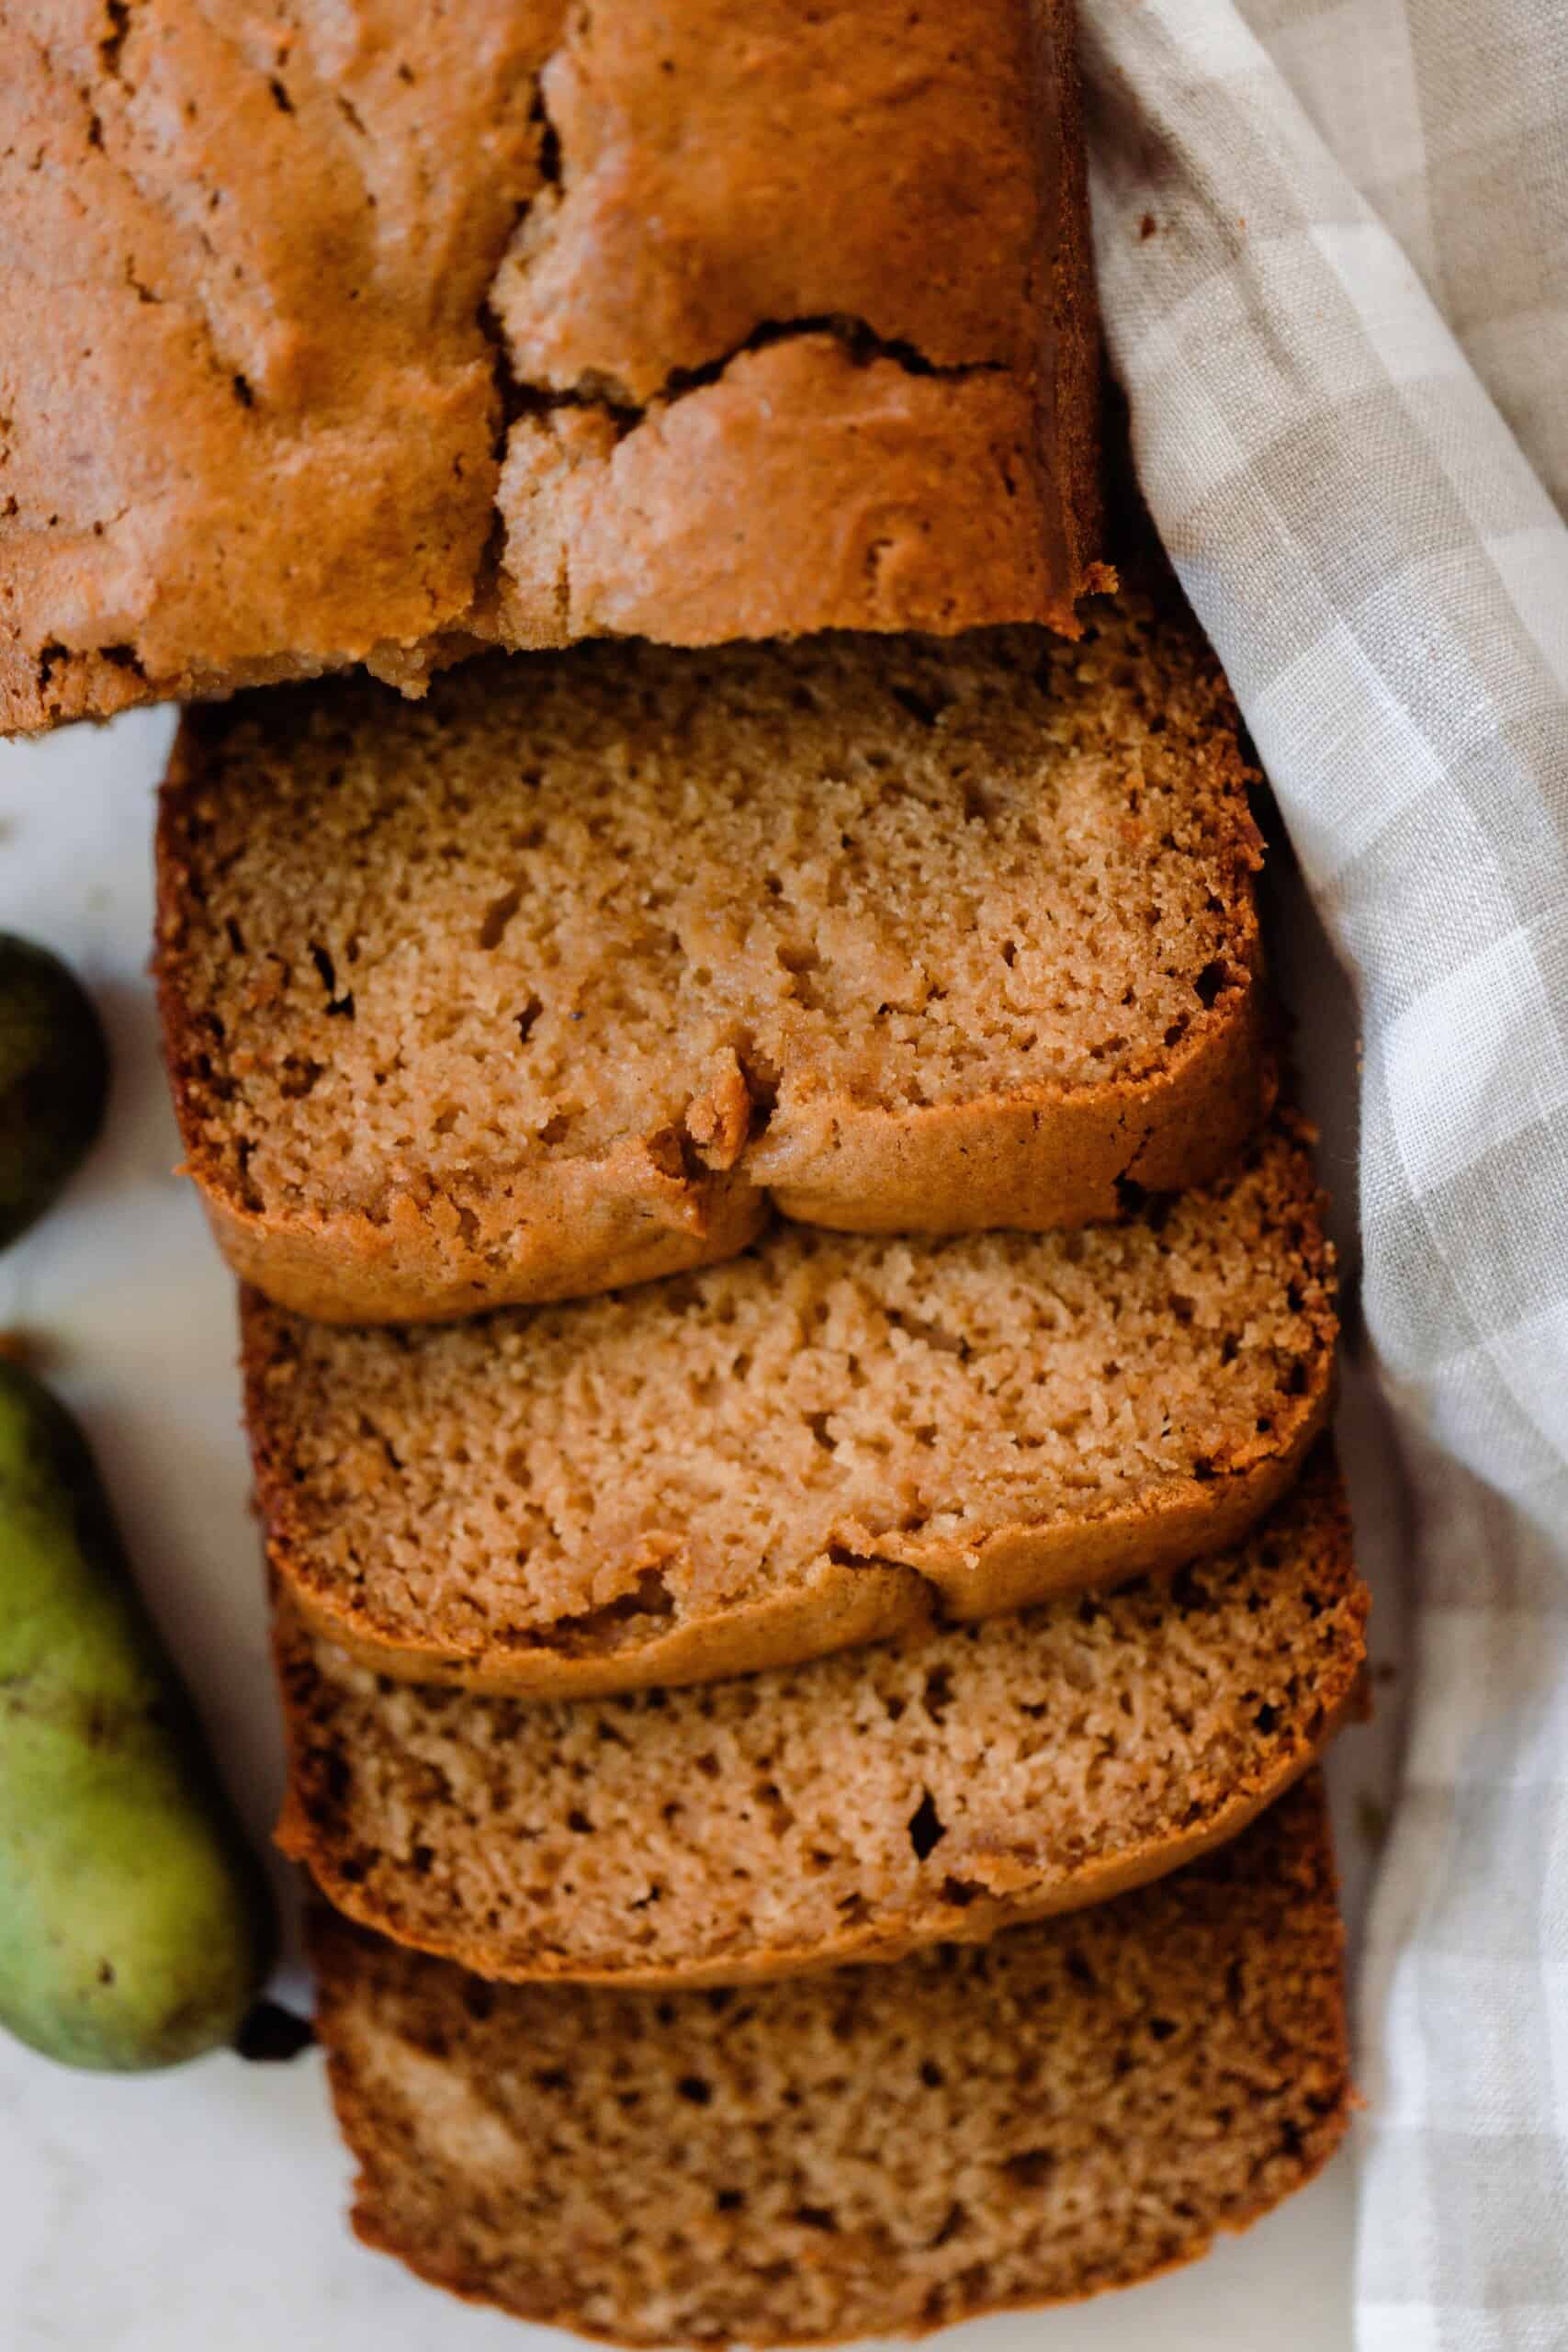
[
  {"x": 828, "y": 1440},
  {"x": 852, "y": 1809},
  {"x": 1074, "y": 2106},
  {"x": 531, "y": 989},
  {"x": 333, "y": 342}
]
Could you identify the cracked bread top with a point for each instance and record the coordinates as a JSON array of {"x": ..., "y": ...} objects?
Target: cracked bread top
[
  {"x": 529, "y": 989},
  {"x": 873, "y": 2153},
  {"x": 853, "y": 1808},
  {"x": 814, "y": 1445},
  {"x": 372, "y": 333}
]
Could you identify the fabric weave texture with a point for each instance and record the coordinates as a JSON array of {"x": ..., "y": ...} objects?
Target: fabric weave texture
[{"x": 1333, "y": 246}]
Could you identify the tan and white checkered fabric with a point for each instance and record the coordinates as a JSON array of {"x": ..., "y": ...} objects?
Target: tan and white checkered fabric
[{"x": 1333, "y": 239}]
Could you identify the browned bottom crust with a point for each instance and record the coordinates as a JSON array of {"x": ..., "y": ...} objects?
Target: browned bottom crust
[
  {"x": 590, "y": 1228},
  {"x": 846, "y": 1603},
  {"x": 855, "y": 1809},
  {"x": 1071, "y": 2108},
  {"x": 1174, "y": 1449},
  {"x": 400, "y": 1224},
  {"x": 1039, "y": 1160}
]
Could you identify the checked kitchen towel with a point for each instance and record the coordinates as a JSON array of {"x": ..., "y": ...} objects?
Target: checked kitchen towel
[{"x": 1332, "y": 238}]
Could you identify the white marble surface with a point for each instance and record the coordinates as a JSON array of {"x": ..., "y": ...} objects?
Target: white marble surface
[{"x": 201, "y": 2208}]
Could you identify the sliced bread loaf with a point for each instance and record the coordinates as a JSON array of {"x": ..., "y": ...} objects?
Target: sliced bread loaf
[
  {"x": 532, "y": 989},
  {"x": 825, "y": 1441},
  {"x": 851, "y": 1809},
  {"x": 877, "y": 2152}
]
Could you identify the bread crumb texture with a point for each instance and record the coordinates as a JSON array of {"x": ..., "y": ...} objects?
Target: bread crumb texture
[
  {"x": 534, "y": 987},
  {"x": 853, "y": 1808},
  {"x": 1074, "y": 2106},
  {"x": 374, "y": 332},
  {"x": 820, "y": 1440}
]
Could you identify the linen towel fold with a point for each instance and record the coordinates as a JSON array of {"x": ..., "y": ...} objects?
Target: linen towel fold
[{"x": 1333, "y": 246}]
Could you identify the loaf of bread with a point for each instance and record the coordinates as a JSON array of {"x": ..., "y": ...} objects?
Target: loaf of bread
[
  {"x": 877, "y": 2152},
  {"x": 530, "y": 990},
  {"x": 824, "y": 1442},
  {"x": 336, "y": 336},
  {"x": 851, "y": 1809}
]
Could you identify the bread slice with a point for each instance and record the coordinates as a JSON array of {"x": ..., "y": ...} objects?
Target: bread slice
[
  {"x": 852, "y": 1809},
  {"x": 877, "y": 2152},
  {"x": 827, "y": 1440},
  {"x": 531, "y": 989}
]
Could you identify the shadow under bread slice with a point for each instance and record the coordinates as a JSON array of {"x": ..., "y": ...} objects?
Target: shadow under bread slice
[
  {"x": 827, "y": 1440},
  {"x": 1076, "y": 2106},
  {"x": 851, "y": 1809},
  {"x": 534, "y": 987}
]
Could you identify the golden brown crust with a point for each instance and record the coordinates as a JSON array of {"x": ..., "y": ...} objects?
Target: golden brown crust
[
  {"x": 838, "y": 1604},
  {"x": 584, "y": 1227},
  {"x": 243, "y": 280},
  {"x": 1026, "y": 1155},
  {"x": 564, "y": 1229},
  {"x": 245, "y": 273},
  {"x": 865, "y": 1585},
  {"x": 1001, "y": 1869},
  {"x": 983, "y": 1917},
  {"x": 1036, "y": 1161},
  {"x": 804, "y": 489},
  {"x": 657, "y": 248},
  {"x": 1039, "y": 1160},
  {"x": 1041, "y": 1157},
  {"x": 1157, "y": 2144},
  {"x": 839, "y": 1607}
]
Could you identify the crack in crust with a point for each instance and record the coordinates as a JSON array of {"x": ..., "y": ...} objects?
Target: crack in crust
[
  {"x": 383, "y": 433},
  {"x": 856, "y": 337}
]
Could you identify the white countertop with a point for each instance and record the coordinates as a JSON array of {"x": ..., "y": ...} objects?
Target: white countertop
[{"x": 202, "y": 2210}]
